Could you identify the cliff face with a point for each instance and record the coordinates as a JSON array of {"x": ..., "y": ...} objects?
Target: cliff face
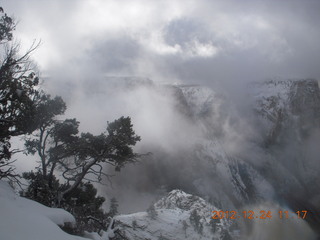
[
  {"x": 279, "y": 159},
  {"x": 228, "y": 180},
  {"x": 288, "y": 108},
  {"x": 268, "y": 154},
  {"x": 283, "y": 165},
  {"x": 290, "y": 115}
]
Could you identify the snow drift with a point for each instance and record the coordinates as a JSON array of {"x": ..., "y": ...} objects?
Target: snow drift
[{"x": 24, "y": 219}]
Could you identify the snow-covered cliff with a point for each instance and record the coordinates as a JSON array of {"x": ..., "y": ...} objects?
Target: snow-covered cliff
[
  {"x": 286, "y": 117},
  {"x": 177, "y": 216}
]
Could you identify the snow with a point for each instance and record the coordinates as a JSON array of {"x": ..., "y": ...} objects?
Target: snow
[
  {"x": 105, "y": 235},
  {"x": 23, "y": 219},
  {"x": 200, "y": 99},
  {"x": 173, "y": 211}
]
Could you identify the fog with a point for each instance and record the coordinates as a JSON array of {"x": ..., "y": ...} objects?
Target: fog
[{"x": 91, "y": 50}]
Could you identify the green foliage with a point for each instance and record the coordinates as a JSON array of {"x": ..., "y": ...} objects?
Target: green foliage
[
  {"x": 122, "y": 138},
  {"x": 113, "y": 146},
  {"x": 86, "y": 206},
  {"x": 7, "y": 25},
  {"x": 61, "y": 147},
  {"x": 39, "y": 189},
  {"x": 47, "y": 109},
  {"x": 83, "y": 202},
  {"x": 65, "y": 131},
  {"x": 24, "y": 109},
  {"x": 18, "y": 100},
  {"x": 19, "y": 94}
]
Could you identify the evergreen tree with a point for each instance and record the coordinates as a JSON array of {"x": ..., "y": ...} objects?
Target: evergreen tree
[
  {"x": 134, "y": 224},
  {"x": 86, "y": 206},
  {"x": 83, "y": 202},
  {"x": 152, "y": 212},
  {"x": 113, "y": 211},
  {"x": 225, "y": 235},
  {"x": 213, "y": 225},
  {"x": 39, "y": 190},
  {"x": 19, "y": 94},
  {"x": 195, "y": 221},
  {"x": 62, "y": 148},
  {"x": 185, "y": 226}
]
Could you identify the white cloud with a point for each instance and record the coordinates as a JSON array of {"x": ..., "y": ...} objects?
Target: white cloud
[
  {"x": 198, "y": 49},
  {"x": 155, "y": 43}
]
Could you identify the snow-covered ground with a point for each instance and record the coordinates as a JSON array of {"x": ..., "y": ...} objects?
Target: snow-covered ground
[{"x": 23, "y": 219}]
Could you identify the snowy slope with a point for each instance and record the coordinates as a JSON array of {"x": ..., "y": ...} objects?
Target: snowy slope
[
  {"x": 23, "y": 219},
  {"x": 173, "y": 213}
]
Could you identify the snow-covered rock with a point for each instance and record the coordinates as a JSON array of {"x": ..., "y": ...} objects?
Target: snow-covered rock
[
  {"x": 287, "y": 106},
  {"x": 175, "y": 219},
  {"x": 200, "y": 99}
]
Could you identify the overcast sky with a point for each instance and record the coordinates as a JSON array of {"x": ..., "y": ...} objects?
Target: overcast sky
[{"x": 192, "y": 41}]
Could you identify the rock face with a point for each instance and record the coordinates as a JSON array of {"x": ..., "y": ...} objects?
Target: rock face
[
  {"x": 227, "y": 180},
  {"x": 176, "y": 216},
  {"x": 289, "y": 113},
  {"x": 288, "y": 106}
]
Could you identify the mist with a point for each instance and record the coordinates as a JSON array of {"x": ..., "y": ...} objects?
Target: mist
[{"x": 109, "y": 59}]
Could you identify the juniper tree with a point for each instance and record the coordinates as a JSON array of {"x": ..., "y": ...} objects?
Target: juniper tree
[
  {"x": 81, "y": 156},
  {"x": 19, "y": 94}
]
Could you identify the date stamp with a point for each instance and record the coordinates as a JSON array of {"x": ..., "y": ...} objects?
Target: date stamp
[{"x": 263, "y": 214}]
